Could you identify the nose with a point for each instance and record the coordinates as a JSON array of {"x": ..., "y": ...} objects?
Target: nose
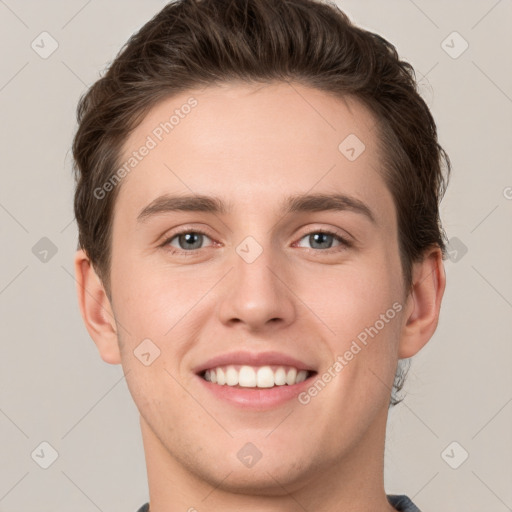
[{"x": 258, "y": 294}]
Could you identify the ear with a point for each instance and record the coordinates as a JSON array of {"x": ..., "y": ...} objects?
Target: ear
[
  {"x": 423, "y": 303},
  {"x": 96, "y": 309}
]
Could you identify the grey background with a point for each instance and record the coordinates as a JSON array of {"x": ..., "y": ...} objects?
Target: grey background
[{"x": 55, "y": 388}]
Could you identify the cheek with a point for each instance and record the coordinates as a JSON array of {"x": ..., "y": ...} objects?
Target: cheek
[
  {"x": 165, "y": 307},
  {"x": 360, "y": 305},
  {"x": 150, "y": 301},
  {"x": 350, "y": 297}
]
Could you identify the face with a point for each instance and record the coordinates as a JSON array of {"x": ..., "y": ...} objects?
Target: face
[{"x": 267, "y": 279}]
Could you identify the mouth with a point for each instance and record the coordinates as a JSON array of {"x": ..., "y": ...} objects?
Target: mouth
[
  {"x": 254, "y": 381},
  {"x": 256, "y": 377}
]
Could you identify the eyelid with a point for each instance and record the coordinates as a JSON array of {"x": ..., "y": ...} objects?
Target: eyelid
[
  {"x": 331, "y": 230},
  {"x": 181, "y": 231},
  {"x": 346, "y": 242}
]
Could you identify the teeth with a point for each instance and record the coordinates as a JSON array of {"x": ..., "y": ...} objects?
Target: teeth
[
  {"x": 265, "y": 377},
  {"x": 221, "y": 377},
  {"x": 301, "y": 376},
  {"x": 291, "y": 376},
  {"x": 247, "y": 377},
  {"x": 280, "y": 377},
  {"x": 231, "y": 376},
  {"x": 255, "y": 377}
]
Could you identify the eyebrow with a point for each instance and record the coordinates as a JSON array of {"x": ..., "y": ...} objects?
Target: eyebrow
[{"x": 292, "y": 204}]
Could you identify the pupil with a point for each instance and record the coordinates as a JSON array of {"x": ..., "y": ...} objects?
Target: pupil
[
  {"x": 190, "y": 239},
  {"x": 320, "y": 238}
]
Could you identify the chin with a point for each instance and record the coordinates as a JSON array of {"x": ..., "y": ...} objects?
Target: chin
[
  {"x": 260, "y": 480},
  {"x": 264, "y": 470}
]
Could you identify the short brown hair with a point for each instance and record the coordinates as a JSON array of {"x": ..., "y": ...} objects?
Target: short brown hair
[{"x": 196, "y": 43}]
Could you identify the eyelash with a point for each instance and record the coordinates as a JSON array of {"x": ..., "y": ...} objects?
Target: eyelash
[{"x": 344, "y": 243}]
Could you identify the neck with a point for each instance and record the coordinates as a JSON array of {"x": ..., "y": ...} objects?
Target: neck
[{"x": 354, "y": 482}]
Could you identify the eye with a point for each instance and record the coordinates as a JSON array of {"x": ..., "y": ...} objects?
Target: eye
[
  {"x": 324, "y": 240},
  {"x": 186, "y": 241}
]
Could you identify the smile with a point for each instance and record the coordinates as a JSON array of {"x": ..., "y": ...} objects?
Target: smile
[
  {"x": 255, "y": 381},
  {"x": 256, "y": 376}
]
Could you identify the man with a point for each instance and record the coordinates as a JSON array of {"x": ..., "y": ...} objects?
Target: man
[{"x": 259, "y": 246}]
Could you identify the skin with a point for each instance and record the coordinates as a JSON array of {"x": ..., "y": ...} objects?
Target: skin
[{"x": 253, "y": 146}]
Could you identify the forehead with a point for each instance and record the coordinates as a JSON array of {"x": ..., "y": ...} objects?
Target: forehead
[{"x": 251, "y": 144}]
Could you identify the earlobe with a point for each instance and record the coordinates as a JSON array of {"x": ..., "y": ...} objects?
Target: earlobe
[
  {"x": 423, "y": 304},
  {"x": 96, "y": 309}
]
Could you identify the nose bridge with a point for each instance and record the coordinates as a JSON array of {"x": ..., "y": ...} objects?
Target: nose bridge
[{"x": 256, "y": 293}]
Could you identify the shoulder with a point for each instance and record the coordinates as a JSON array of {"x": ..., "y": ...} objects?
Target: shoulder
[{"x": 402, "y": 503}]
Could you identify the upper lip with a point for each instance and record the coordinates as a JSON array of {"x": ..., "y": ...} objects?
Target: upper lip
[{"x": 252, "y": 359}]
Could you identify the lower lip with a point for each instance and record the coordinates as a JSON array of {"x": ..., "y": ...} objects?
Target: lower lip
[{"x": 256, "y": 398}]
